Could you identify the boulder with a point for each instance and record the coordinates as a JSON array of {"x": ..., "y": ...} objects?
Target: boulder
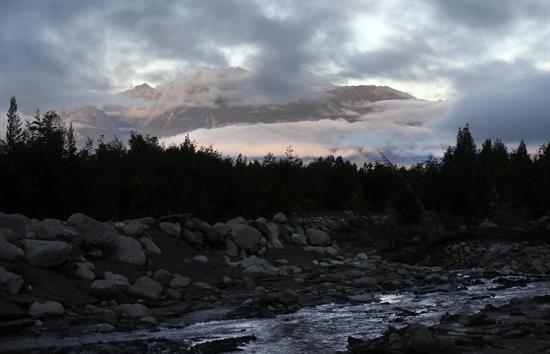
[
  {"x": 50, "y": 229},
  {"x": 207, "y": 230},
  {"x": 15, "y": 224},
  {"x": 280, "y": 218},
  {"x": 179, "y": 281},
  {"x": 317, "y": 237},
  {"x": 231, "y": 249},
  {"x": 10, "y": 282},
  {"x": 146, "y": 287},
  {"x": 46, "y": 254},
  {"x": 222, "y": 229},
  {"x": 254, "y": 261},
  {"x": 85, "y": 270},
  {"x": 200, "y": 259},
  {"x": 9, "y": 252},
  {"x": 331, "y": 251},
  {"x": 117, "y": 279},
  {"x": 277, "y": 244},
  {"x": 162, "y": 276},
  {"x": 130, "y": 251},
  {"x": 171, "y": 228},
  {"x": 273, "y": 231},
  {"x": 135, "y": 227},
  {"x": 298, "y": 239},
  {"x": 366, "y": 282},
  {"x": 150, "y": 245},
  {"x": 47, "y": 308},
  {"x": 261, "y": 224},
  {"x": 173, "y": 294},
  {"x": 193, "y": 237},
  {"x": 237, "y": 220},
  {"x": 253, "y": 269},
  {"x": 105, "y": 289},
  {"x": 7, "y": 234},
  {"x": 487, "y": 224},
  {"x": 133, "y": 310},
  {"x": 95, "y": 233},
  {"x": 246, "y": 237}
]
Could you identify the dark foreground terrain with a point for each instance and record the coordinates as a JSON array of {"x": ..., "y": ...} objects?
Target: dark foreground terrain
[{"x": 284, "y": 284}]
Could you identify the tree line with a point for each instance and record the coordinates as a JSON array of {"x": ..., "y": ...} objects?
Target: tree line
[{"x": 44, "y": 174}]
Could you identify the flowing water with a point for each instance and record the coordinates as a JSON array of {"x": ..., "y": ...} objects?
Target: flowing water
[{"x": 319, "y": 329}]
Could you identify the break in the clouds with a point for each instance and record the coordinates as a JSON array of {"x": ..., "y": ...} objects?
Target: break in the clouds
[{"x": 491, "y": 58}]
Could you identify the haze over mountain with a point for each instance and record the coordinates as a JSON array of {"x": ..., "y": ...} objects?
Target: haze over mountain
[{"x": 216, "y": 98}]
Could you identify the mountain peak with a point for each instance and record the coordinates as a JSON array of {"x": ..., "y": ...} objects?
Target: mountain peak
[{"x": 143, "y": 91}]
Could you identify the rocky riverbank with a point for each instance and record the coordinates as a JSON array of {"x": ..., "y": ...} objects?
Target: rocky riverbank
[{"x": 82, "y": 275}]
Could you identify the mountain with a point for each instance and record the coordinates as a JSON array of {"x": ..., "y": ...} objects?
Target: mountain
[{"x": 212, "y": 98}]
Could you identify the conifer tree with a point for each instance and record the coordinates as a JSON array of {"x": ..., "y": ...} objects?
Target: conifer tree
[
  {"x": 70, "y": 141},
  {"x": 14, "y": 131}
]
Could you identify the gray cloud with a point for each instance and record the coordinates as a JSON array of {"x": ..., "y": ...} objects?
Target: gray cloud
[
  {"x": 491, "y": 13},
  {"x": 63, "y": 52},
  {"x": 503, "y": 100}
]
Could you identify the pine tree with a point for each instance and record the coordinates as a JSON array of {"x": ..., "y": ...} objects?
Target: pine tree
[
  {"x": 14, "y": 131},
  {"x": 70, "y": 144}
]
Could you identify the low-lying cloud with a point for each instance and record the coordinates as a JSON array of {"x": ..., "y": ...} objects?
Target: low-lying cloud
[{"x": 402, "y": 130}]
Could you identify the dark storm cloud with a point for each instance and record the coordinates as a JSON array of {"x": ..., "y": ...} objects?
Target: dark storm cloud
[
  {"x": 491, "y": 13},
  {"x": 503, "y": 100},
  {"x": 55, "y": 52}
]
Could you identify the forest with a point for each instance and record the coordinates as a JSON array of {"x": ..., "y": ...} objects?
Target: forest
[{"x": 44, "y": 174}]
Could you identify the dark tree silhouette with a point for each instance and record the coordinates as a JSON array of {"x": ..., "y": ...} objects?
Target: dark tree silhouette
[
  {"x": 47, "y": 177},
  {"x": 15, "y": 137}
]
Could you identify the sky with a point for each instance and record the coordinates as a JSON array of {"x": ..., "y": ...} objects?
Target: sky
[{"x": 490, "y": 59}]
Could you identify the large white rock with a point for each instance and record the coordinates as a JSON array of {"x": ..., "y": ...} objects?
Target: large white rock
[
  {"x": 171, "y": 228},
  {"x": 146, "y": 287},
  {"x": 318, "y": 237},
  {"x": 46, "y": 254},
  {"x": 246, "y": 237},
  {"x": 95, "y": 233},
  {"x": 130, "y": 251},
  {"x": 9, "y": 252},
  {"x": 150, "y": 245},
  {"x": 133, "y": 310},
  {"x": 10, "y": 282},
  {"x": 48, "y": 308}
]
